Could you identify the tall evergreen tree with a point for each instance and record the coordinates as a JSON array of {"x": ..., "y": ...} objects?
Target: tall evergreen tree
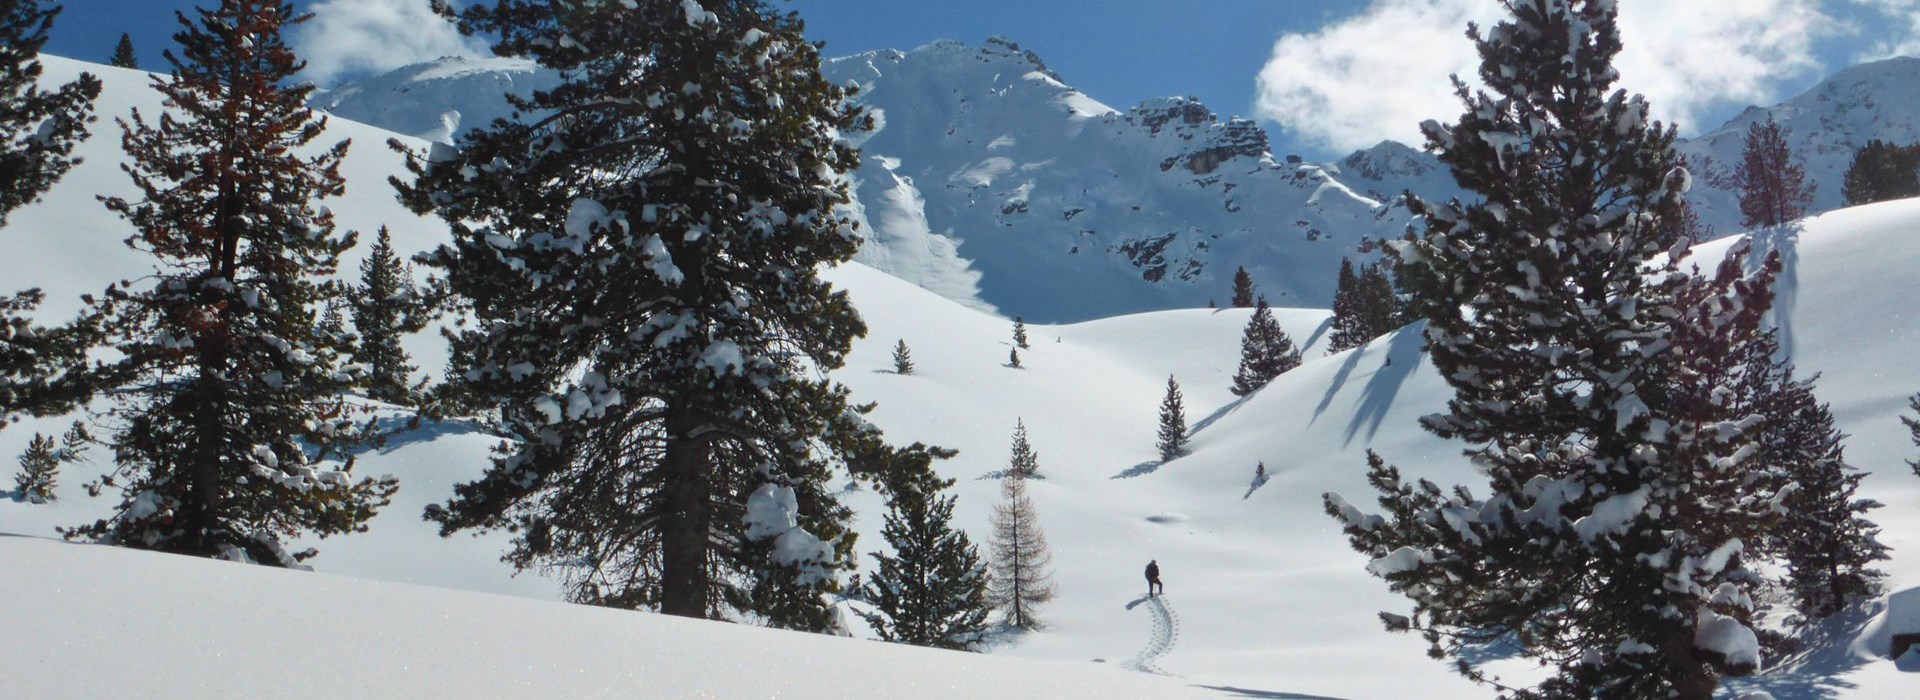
[
  {"x": 931, "y": 591},
  {"x": 1881, "y": 171},
  {"x": 1822, "y": 536},
  {"x": 902, "y": 358},
  {"x": 123, "y": 55},
  {"x": 641, "y": 255},
  {"x": 230, "y": 435},
  {"x": 386, "y": 308},
  {"x": 1772, "y": 184},
  {"x": 1348, "y": 331},
  {"x": 1172, "y": 441},
  {"x": 1242, "y": 289},
  {"x": 1021, "y": 566},
  {"x": 1022, "y": 461},
  {"x": 1378, "y": 307},
  {"x": 1020, "y": 333},
  {"x": 1266, "y": 351},
  {"x": 38, "y": 131},
  {"x": 1583, "y": 364}
]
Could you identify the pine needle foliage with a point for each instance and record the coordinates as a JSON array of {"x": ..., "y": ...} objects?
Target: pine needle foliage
[
  {"x": 1881, "y": 171},
  {"x": 229, "y": 435},
  {"x": 123, "y": 54},
  {"x": 902, "y": 358},
  {"x": 40, "y": 464},
  {"x": 38, "y": 131},
  {"x": 1020, "y": 333},
  {"x": 1172, "y": 440},
  {"x": 387, "y": 307},
  {"x": 1772, "y": 183},
  {"x": 1586, "y": 368},
  {"x": 1266, "y": 351},
  {"x": 640, "y": 252},
  {"x": 1021, "y": 459},
  {"x": 1243, "y": 292},
  {"x": 931, "y": 589}
]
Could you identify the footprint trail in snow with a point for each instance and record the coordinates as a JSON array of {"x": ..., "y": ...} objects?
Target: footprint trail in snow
[{"x": 1166, "y": 631}]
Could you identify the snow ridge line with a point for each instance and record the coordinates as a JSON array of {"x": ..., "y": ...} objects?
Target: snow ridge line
[{"x": 1166, "y": 631}]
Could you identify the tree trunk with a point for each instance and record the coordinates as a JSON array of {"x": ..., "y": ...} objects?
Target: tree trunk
[{"x": 686, "y": 524}]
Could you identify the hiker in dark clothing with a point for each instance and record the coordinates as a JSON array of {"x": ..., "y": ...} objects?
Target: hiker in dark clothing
[{"x": 1153, "y": 579}]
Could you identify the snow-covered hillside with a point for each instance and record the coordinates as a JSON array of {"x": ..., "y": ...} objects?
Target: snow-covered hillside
[
  {"x": 1264, "y": 598},
  {"x": 994, "y": 183}
]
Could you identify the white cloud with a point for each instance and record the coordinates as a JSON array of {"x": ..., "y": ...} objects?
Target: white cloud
[
  {"x": 1898, "y": 31},
  {"x": 346, "y": 37},
  {"x": 1378, "y": 74}
]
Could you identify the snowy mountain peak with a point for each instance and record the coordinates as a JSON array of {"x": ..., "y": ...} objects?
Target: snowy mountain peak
[
  {"x": 1212, "y": 141},
  {"x": 437, "y": 99}
]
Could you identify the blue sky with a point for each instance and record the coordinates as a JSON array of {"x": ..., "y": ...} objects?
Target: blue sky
[{"x": 1324, "y": 75}]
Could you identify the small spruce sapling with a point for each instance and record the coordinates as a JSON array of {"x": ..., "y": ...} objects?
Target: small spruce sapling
[
  {"x": 40, "y": 464},
  {"x": 1173, "y": 423},
  {"x": 1020, "y": 333},
  {"x": 902, "y": 358},
  {"x": 1022, "y": 462},
  {"x": 1242, "y": 289},
  {"x": 1013, "y": 358},
  {"x": 931, "y": 590}
]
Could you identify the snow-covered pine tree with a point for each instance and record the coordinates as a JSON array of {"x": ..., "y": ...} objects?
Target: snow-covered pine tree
[
  {"x": 1172, "y": 440},
  {"x": 1020, "y": 333},
  {"x": 1583, "y": 364},
  {"x": 1348, "y": 332},
  {"x": 641, "y": 254},
  {"x": 229, "y": 434},
  {"x": 1266, "y": 351},
  {"x": 38, "y": 130},
  {"x": 1022, "y": 462},
  {"x": 123, "y": 55},
  {"x": 902, "y": 358},
  {"x": 1772, "y": 184},
  {"x": 931, "y": 590},
  {"x": 386, "y": 308},
  {"x": 1242, "y": 289},
  {"x": 1021, "y": 566}
]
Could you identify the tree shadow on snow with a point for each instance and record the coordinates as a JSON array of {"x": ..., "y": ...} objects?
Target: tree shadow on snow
[
  {"x": 1258, "y": 482},
  {"x": 1270, "y": 694},
  {"x": 1831, "y": 649},
  {"x": 1218, "y": 413},
  {"x": 1141, "y": 469},
  {"x": 1403, "y": 357},
  {"x": 1317, "y": 334},
  {"x": 1785, "y": 240},
  {"x": 399, "y": 431}
]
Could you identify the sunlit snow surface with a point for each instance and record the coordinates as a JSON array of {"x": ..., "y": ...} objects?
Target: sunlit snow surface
[{"x": 1269, "y": 597}]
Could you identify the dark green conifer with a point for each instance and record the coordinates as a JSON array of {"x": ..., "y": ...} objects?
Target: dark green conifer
[
  {"x": 902, "y": 358},
  {"x": 1020, "y": 333},
  {"x": 1585, "y": 366},
  {"x": 123, "y": 55},
  {"x": 40, "y": 464},
  {"x": 230, "y": 435},
  {"x": 651, "y": 321},
  {"x": 38, "y": 131},
  {"x": 1772, "y": 183},
  {"x": 1013, "y": 358},
  {"x": 1266, "y": 351},
  {"x": 386, "y": 308},
  {"x": 1348, "y": 329},
  {"x": 1172, "y": 441},
  {"x": 1022, "y": 462},
  {"x": 931, "y": 590},
  {"x": 1242, "y": 289},
  {"x": 1881, "y": 171}
]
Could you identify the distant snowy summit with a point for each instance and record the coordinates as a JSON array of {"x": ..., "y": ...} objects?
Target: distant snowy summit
[{"x": 438, "y": 99}]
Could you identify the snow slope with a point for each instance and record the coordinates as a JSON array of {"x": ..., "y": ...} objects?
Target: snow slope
[{"x": 1270, "y": 599}]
